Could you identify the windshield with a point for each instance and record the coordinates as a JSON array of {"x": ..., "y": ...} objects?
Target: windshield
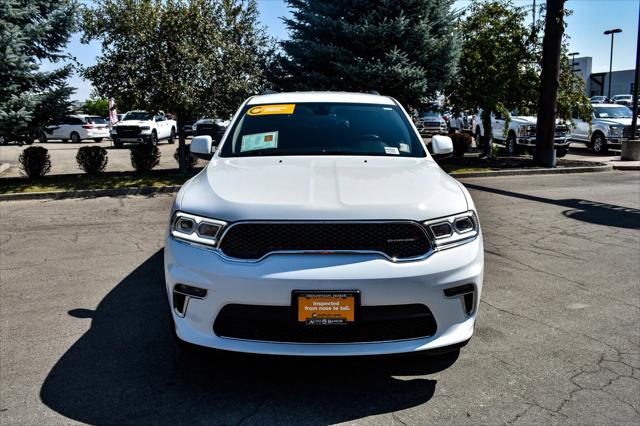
[
  {"x": 322, "y": 129},
  {"x": 612, "y": 112},
  {"x": 137, "y": 115},
  {"x": 96, "y": 120},
  {"x": 430, "y": 114}
]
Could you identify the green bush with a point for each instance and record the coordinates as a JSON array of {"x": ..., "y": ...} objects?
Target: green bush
[
  {"x": 461, "y": 143},
  {"x": 144, "y": 157},
  {"x": 92, "y": 159},
  {"x": 191, "y": 161},
  {"x": 35, "y": 161}
]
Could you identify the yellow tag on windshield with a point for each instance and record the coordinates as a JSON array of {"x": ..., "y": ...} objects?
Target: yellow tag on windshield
[{"x": 272, "y": 109}]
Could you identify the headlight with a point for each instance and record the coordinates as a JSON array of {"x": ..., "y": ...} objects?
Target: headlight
[
  {"x": 454, "y": 230},
  {"x": 194, "y": 127},
  {"x": 196, "y": 229},
  {"x": 113, "y": 131},
  {"x": 523, "y": 130},
  {"x": 145, "y": 128},
  {"x": 616, "y": 130}
]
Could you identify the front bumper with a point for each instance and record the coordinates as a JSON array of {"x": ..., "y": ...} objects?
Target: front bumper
[
  {"x": 530, "y": 141},
  {"x": 271, "y": 281}
]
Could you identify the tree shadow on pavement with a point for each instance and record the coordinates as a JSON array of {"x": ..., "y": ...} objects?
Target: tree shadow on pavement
[
  {"x": 126, "y": 369},
  {"x": 583, "y": 210}
]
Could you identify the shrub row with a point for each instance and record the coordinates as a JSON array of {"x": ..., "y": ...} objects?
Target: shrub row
[{"x": 35, "y": 161}]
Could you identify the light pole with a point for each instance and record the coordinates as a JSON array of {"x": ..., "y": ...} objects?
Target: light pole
[
  {"x": 612, "y": 32},
  {"x": 573, "y": 60}
]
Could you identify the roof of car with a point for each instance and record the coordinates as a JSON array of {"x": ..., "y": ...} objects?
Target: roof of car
[{"x": 301, "y": 97}]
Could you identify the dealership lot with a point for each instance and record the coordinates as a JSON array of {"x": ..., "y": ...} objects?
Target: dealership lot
[{"x": 85, "y": 323}]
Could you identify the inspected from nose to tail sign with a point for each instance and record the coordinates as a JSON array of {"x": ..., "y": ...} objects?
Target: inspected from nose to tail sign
[{"x": 322, "y": 226}]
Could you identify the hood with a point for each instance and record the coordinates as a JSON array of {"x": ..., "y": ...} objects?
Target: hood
[
  {"x": 524, "y": 119},
  {"x": 613, "y": 121},
  {"x": 134, "y": 122},
  {"x": 322, "y": 188}
]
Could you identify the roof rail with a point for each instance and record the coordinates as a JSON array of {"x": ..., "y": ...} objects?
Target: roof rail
[{"x": 373, "y": 92}]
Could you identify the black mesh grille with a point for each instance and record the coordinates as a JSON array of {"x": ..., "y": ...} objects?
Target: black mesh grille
[
  {"x": 128, "y": 130},
  {"x": 276, "y": 324},
  {"x": 399, "y": 240}
]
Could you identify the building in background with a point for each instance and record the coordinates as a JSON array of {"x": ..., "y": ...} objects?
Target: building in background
[{"x": 598, "y": 83}]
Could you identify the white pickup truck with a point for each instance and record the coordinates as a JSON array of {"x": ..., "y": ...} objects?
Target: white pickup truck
[
  {"x": 610, "y": 124},
  {"x": 143, "y": 127},
  {"x": 521, "y": 133}
]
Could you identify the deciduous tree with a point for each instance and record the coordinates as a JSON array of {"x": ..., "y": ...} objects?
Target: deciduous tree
[{"x": 189, "y": 57}]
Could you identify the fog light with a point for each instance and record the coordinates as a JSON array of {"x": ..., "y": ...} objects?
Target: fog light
[
  {"x": 466, "y": 293},
  {"x": 182, "y": 293}
]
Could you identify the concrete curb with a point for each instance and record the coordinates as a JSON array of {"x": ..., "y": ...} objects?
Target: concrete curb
[
  {"x": 91, "y": 193},
  {"x": 625, "y": 167},
  {"x": 526, "y": 172}
]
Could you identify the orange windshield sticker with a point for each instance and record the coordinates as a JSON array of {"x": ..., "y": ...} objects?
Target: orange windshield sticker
[{"x": 272, "y": 109}]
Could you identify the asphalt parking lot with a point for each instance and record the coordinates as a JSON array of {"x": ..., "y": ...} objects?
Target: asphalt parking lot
[{"x": 84, "y": 333}]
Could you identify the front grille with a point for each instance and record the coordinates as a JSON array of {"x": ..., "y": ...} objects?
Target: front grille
[
  {"x": 277, "y": 324},
  {"x": 128, "y": 131},
  {"x": 397, "y": 240},
  {"x": 561, "y": 131},
  {"x": 626, "y": 132}
]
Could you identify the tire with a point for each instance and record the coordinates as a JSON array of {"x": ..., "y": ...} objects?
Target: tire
[
  {"x": 599, "y": 143},
  {"x": 97, "y": 140},
  {"x": 117, "y": 143},
  {"x": 28, "y": 141},
  {"x": 172, "y": 136},
  {"x": 75, "y": 137},
  {"x": 561, "y": 152},
  {"x": 154, "y": 138},
  {"x": 511, "y": 145},
  {"x": 42, "y": 138}
]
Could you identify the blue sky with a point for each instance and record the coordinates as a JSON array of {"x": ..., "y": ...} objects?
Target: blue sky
[{"x": 585, "y": 27}]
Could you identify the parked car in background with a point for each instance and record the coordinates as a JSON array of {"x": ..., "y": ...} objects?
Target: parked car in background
[
  {"x": 187, "y": 127},
  {"x": 521, "y": 133},
  {"x": 598, "y": 99},
  {"x": 76, "y": 128},
  {"x": 143, "y": 127},
  {"x": 626, "y": 100},
  {"x": 431, "y": 123},
  {"x": 214, "y": 127},
  {"x": 610, "y": 124},
  {"x": 460, "y": 122},
  {"x": 277, "y": 247}
]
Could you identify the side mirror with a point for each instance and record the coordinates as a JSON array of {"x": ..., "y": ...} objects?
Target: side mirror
[
  {"x": 201, "y": 147},
  {"x": 441, "y": 146}
]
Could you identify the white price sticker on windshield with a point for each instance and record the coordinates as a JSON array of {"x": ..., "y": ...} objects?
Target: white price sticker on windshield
[
  {"x": 391, "y": 150},
  {"x": 258, "y": 141}
]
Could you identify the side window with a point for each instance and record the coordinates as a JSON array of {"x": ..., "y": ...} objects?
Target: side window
[
  {"x": 72, "y": 120},
  {"x": 66, "y": 120},
  {"x": 497, "y": 115}
]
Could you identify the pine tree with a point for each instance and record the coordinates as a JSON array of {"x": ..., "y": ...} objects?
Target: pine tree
[
  {"x": 407, "y": 49},
  {"x": 33, "y": 31}
]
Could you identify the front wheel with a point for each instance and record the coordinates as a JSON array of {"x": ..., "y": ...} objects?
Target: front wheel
[
  {"x": 154, "y": 138},
  {"x": 512, "y": 145},
  {"x": 42, "y": 138},
  {"x": 75, "y": 137},
  {"x": 172, "y": 136},
  {"x": 599, "y": 143},
  {"x": 561, "y": 152}
]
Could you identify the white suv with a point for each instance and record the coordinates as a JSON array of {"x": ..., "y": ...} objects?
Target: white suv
[
  {"x": 322, "y": 226},
  {"x": 76, "y": 128}
]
